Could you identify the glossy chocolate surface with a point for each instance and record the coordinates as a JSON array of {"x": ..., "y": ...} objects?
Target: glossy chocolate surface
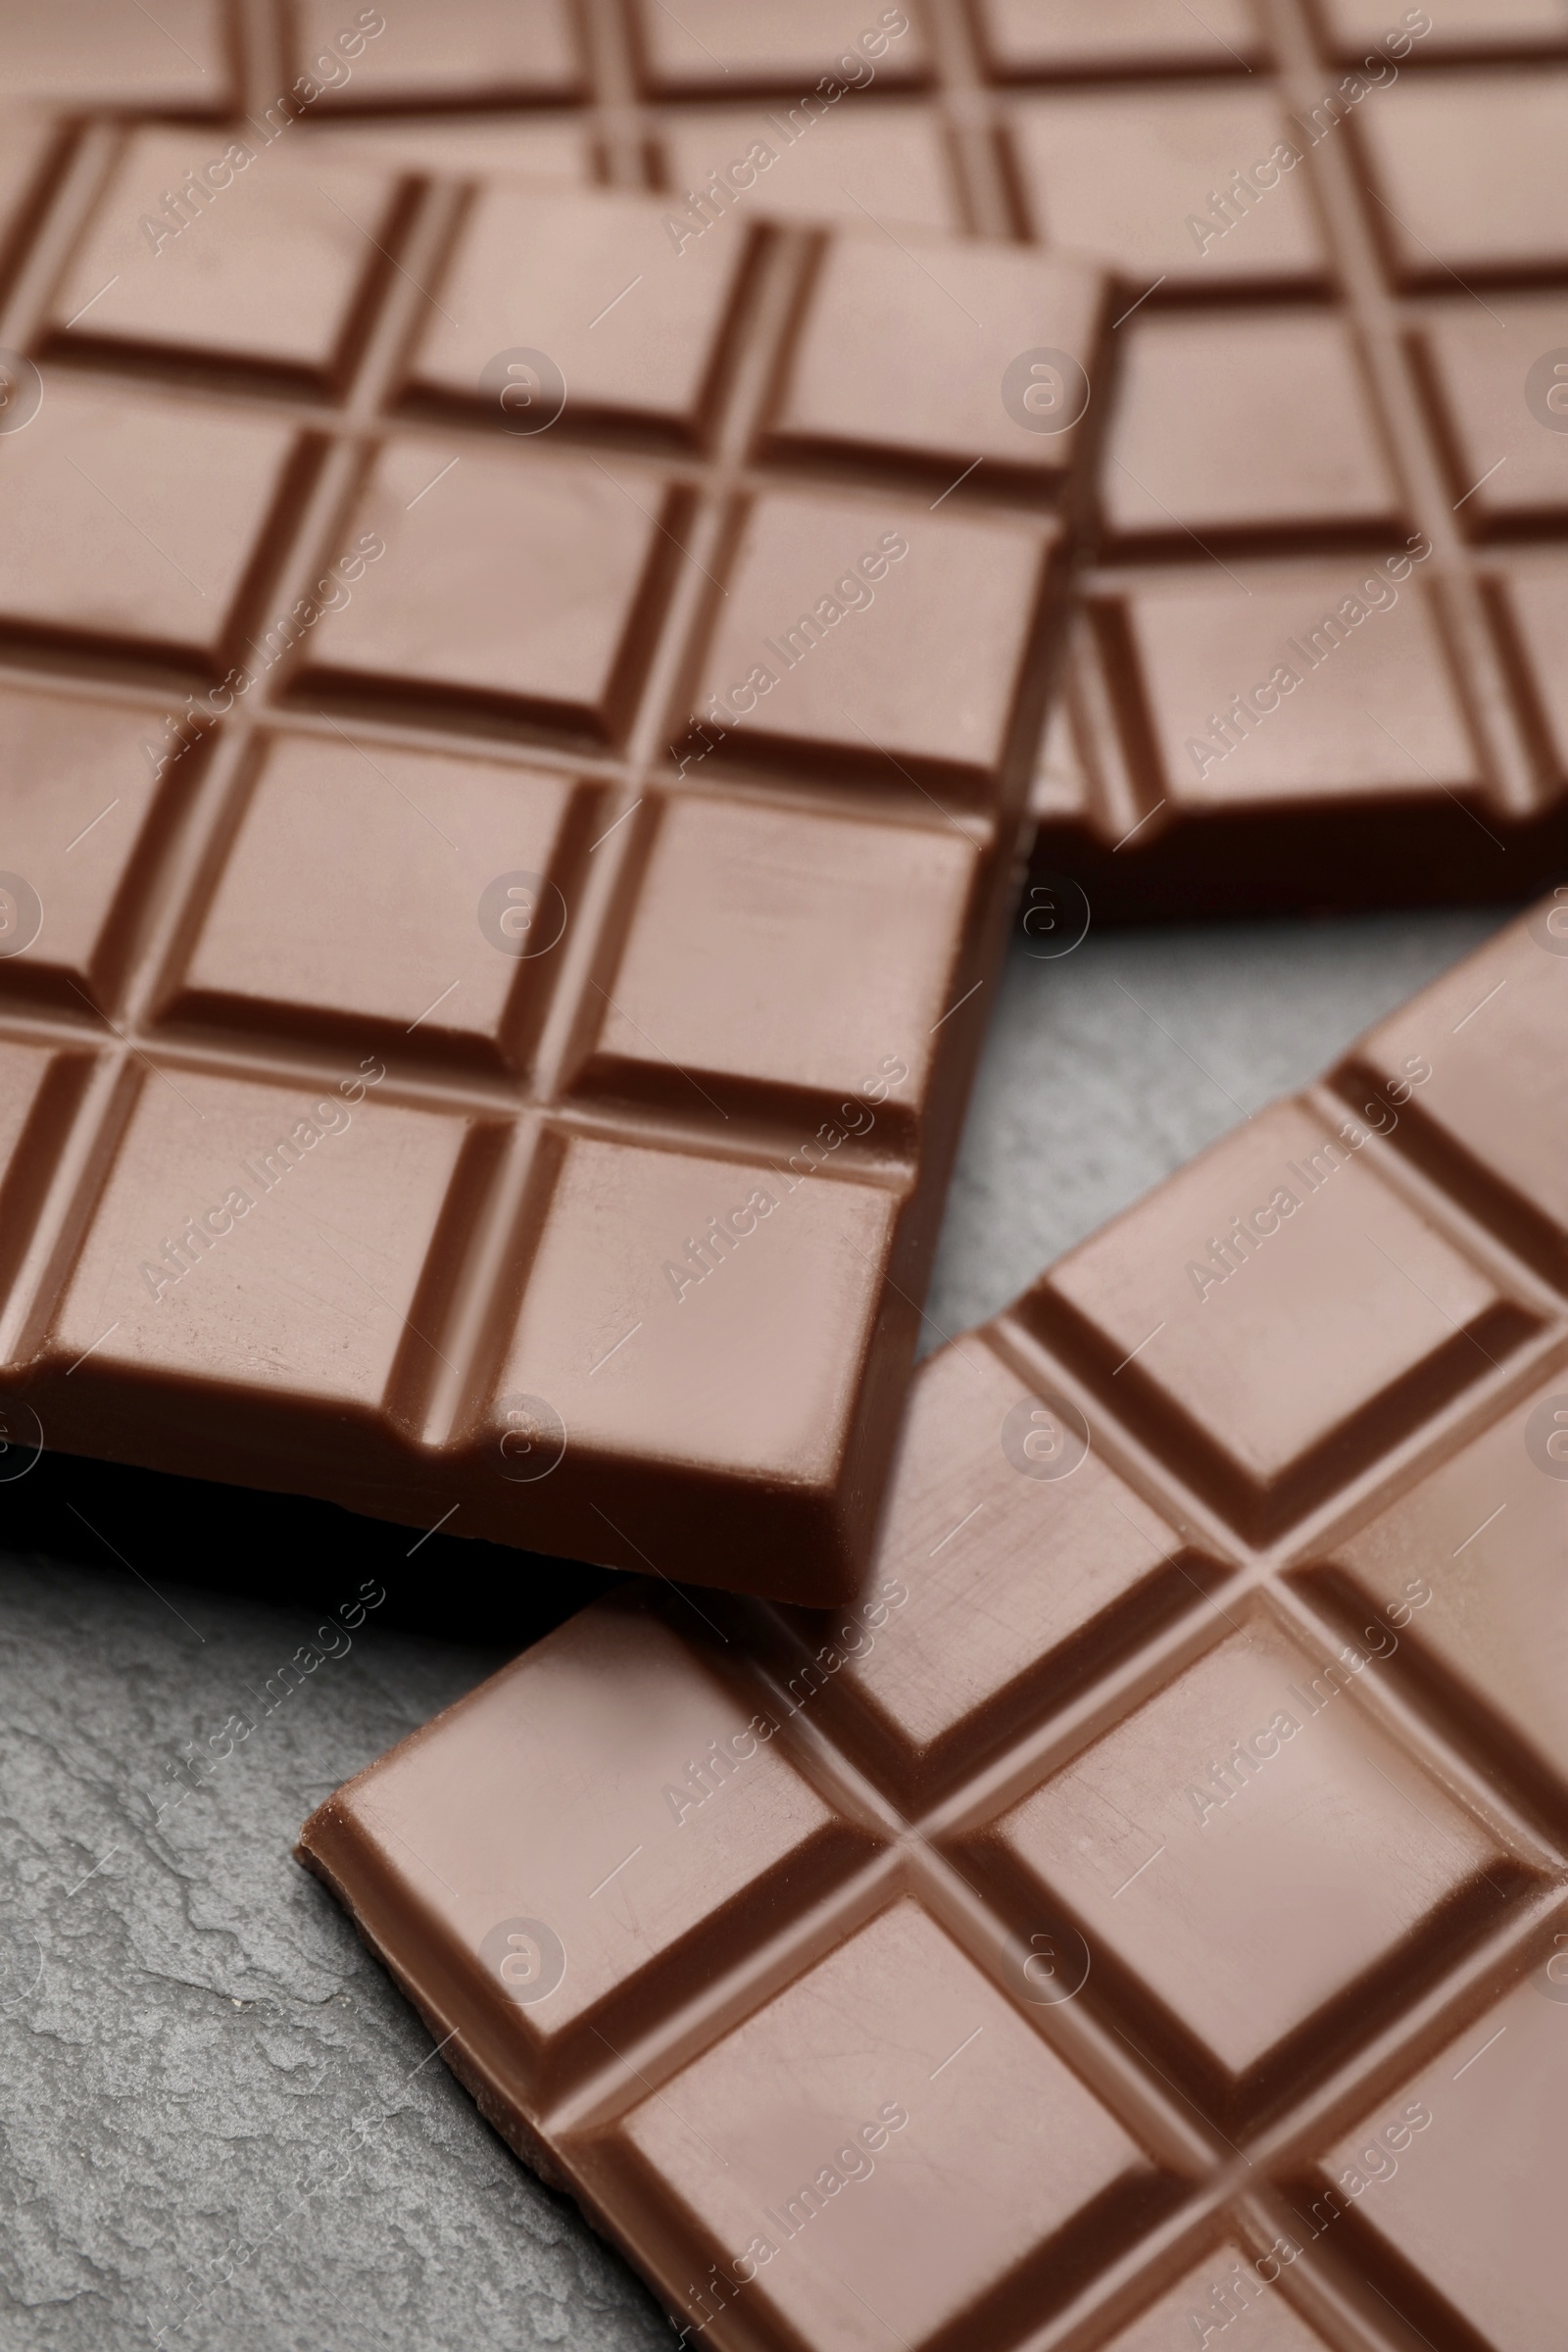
[
  {"x": 498, "y": 908},
  {"x": 1337, "y": 344},
  {"x": 1136, "y": 1920}
]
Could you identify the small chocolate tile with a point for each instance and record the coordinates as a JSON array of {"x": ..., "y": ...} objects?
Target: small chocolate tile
[
  {"x": 107, "y": 56},
  {"x": 527, "y": 49},
  {"x": 1279, "y": 1246},
  {"x": 134, "y": 522},
  {"x": 877, "y": 634},
  {"x": 1454, "y": 29},
  {"x": 1195, "y": 187},
  {"x": 633, "y": 325},
  {"x": 524, "y": 586},
  {"x": 725, "y": 1822},
  {"x": 1506, "y": 212},
  {"x": 975, "y": 2169},
  {"x": 1028, "y": 37},
  {"x": 1032, "y": 1564},
  {"x": 728, "y": 45},
  {"x": 307, "y": 928},
  {"x": 1438, "y": 2170},
  {"x": 1292, "y": 450},
  {"x": 684, "y": 1307},
  {"x": 1466, "y": 1569},
  {"x": 1250, "y": 1796},
  {"x": 1500, "y": 391},
  {"x": 1271, "y": 695},
  {"x": 228, "y": 253},
  {"x": 256, "y": 1241},
  {"x": 851, "y": 389},
  {"x": 765, "y": 967},
  {"x": 791, "y": 160},
  {"x": 1459, "y": 1102}
]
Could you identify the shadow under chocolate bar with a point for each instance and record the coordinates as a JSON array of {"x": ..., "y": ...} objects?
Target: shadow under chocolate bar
[{"x": 1142, "y": 1909}]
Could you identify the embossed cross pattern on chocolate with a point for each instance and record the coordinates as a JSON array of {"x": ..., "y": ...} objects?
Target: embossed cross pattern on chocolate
[
  {"x": 1140, "y": 1919},
  {"x": 1319, "y": 660},
  {"x": 434, "y": 1077}
]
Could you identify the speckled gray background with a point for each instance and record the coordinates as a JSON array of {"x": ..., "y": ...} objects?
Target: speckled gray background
[{"x": 218, "y": 2125}]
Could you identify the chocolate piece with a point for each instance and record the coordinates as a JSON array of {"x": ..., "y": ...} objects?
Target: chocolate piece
[
  {"x": 1139, "y": 1909},
  {"x": 97, "y": 53},
  {"x": 1252, "y": 724},
  {"x": 1458, "y": 28},
  {"x": 1317, "y": 384},
  {"x": 533, "y": 50},
  {"x": 511, "y": 895},
  {"x": 278, "y": 273}
]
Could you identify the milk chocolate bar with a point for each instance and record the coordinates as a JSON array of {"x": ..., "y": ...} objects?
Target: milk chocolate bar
[
  {"x": 1319, "y": 659},
  {"x": 516, "y": 740},
  {"x": 1138, "y": 1919}
]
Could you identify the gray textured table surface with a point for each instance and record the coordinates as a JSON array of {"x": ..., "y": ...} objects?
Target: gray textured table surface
[{"x": 218, "y": 2125}]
